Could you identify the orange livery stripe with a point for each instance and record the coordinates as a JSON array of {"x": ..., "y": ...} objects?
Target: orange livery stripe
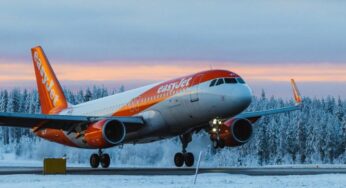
[{"x": 168, "y": 89}]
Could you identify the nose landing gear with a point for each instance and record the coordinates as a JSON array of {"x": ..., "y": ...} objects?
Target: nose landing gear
[
  {"x": 218, "y": 143},
  {"x": 96, "y": 159},
  {"x": 184, "y": 157},
  {"x": 215, "y": 134}
]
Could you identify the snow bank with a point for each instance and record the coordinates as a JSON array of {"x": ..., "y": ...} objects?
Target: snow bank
[{"x": 203, "y": 181}]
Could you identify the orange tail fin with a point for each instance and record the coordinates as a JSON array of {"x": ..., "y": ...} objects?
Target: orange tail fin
[{"x": 51, "y": 95}]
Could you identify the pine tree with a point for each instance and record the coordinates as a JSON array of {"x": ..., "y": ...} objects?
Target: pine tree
[
  {"x": 4, "y": 101},
  {"x": 121, "y": 89},
  {"x": 317, "y": 134},
  {"x": 263, "y": 149},
  {"x": 80, "y": 96},
  {"x": 3, "y": 108},
  {"x": 88, "y": 95}
]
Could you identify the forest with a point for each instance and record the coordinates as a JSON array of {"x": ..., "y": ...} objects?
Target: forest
[{"x": 316, "y": 134}]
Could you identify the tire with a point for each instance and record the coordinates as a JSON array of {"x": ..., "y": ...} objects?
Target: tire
[
  {"x": 105, "y": 160},
  {"x": 221, "y": 144},
  {"x": 94, "y": 160},
  {"x": 189, "y": 159},
  {"x": 215, "y": 144},
  {"x": 179, "y": 159}
]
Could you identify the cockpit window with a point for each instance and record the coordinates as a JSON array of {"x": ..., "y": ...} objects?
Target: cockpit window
[
  {"x": 212, "y": 83},
  {"x": 240, "y": 80},
  {"x": 219, "y": 81},
  {"x": 230, "y": 81}
]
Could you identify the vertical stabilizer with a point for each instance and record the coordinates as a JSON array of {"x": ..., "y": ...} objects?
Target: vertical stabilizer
[{"x": 51, "y": 95}]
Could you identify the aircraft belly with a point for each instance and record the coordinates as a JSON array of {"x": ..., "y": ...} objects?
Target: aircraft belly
[{"x": 60, "y": 137}]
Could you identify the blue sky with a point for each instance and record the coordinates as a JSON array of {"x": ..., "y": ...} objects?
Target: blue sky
[
  {"x": 217, "y": 33},
  {"x": 244, "y": 31}
]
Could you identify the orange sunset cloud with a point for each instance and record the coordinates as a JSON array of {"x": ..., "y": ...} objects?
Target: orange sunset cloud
[{"x": 120, "y": 70}]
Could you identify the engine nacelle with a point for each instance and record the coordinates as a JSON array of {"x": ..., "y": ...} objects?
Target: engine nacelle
[
  {"x": 105, "y": 133},
  {"x": 234, "y": 132}
]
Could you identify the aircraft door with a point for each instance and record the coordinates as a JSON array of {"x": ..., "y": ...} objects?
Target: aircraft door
[{"x": 194, "y": 93}]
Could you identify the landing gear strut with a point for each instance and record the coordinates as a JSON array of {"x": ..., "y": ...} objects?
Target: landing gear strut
[
  {"x": 218, "y": 143},
  {"x": 96, "y": 159},
  {"x": 184, "y": 157}
]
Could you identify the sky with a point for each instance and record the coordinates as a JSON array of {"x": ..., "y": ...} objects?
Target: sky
[{"x": 139, "y": 42}]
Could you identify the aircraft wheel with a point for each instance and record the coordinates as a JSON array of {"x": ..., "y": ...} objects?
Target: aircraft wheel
[
  {"x": 189, "y": 159},
  {"x": 221, "y": 144},
  {"x": 218, "y": 144},
  {"x": 94, "y": 160},
  {"x": 215, "y": 144},
  {"x": 105, "y": 160},
  {"x": 179, "y": 159}
]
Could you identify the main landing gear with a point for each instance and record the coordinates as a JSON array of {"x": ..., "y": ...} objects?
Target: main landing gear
[
  {"x": 184, "y": 157},
  {"x": 103, "y": 158}
]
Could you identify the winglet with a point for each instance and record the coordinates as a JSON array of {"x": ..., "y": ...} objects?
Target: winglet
[{"x": 296, "y": 93}]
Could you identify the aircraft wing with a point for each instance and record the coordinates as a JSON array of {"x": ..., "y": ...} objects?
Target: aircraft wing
[
  {"x": 61, "y": 122},
  {"x": 254, "y": 116}
]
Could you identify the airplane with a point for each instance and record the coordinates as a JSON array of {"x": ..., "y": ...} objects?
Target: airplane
[{"x": 212, "y": 100}]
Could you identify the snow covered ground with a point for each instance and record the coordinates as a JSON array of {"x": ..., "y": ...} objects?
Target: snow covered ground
[
  {"x": 204, "y": 180},
  {"x": 10, "y": 160}
]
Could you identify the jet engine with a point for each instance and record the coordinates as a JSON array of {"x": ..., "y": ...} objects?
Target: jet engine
[
  {"x": 105, "y": 133},
  {"x": 231, "y": 133}
]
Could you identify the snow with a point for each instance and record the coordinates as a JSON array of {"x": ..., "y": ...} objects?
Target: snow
[
  {"x": 317, "y": 134},
  {"x": 204, "y": 180},
  {"x": 303, "y": 139},
  {"x": 306, "y": 166},
  {"x": 10, "y": 160}
]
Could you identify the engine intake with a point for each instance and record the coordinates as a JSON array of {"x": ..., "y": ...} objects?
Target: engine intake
[
  {"x": 241, "y": 130},
  {"x": 114, "y": 131},
  {"x": 234, "y": 132},
  {"x": 105, "y": 133}
]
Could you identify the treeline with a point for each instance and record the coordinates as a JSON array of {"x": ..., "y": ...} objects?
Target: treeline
[
  {"x": 27, "y": 101},
  {"x": 316, "y": 134}
]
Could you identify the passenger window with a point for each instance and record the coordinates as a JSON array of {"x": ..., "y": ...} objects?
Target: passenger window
[
  {"x": 230, "y": 81},
  {"x": 219, "y": 81},
  {"x": 240, "y": 80},
  {"x": 212, "y": 83}
]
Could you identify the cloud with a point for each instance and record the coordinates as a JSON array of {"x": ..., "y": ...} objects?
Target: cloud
[
  {"x": 241, "y": 31},
  {"x": 139, "y": 42},
  {"x": 318, "y": 80},
  {"x": 136, "y": 70}
]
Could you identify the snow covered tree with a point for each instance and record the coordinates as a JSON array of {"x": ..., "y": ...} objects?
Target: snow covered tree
[
  {"x": 121, "y": 89},
  {"x": 316, "y": 134}
]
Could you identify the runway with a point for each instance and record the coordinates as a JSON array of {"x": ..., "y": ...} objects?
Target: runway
[{"x": 178, "y": 171}]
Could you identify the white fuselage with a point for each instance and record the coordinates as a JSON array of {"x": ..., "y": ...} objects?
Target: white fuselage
[{"x": 178, "y": 113}]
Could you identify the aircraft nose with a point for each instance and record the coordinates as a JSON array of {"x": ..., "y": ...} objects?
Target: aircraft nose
[{"x": 241, "y": 97}]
